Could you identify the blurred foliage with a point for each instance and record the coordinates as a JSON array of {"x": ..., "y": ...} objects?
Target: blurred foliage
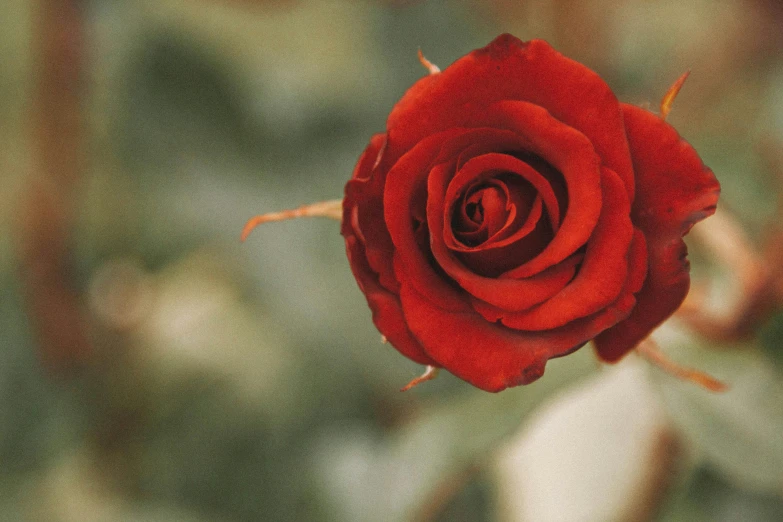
[
  {"x": 744, "y": 442},
  {"x": 246, "y": 382}
]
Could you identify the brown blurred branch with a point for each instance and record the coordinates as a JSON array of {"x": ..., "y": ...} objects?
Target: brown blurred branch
[
  {"x": 46, "y": 213},
  {"x": 661, "y": 473},
  {"x": 445, "y": 493}
]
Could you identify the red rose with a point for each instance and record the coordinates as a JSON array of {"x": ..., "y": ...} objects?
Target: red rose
[{"x": 514, "y": 210}]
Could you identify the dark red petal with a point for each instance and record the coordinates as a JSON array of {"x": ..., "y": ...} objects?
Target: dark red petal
[
  {"x": 370, "y": 157},
  {"x": 508, "y": 69},
  {"x": 637, "y": 263},
  {"x": 500, "y": 254},
  {"x": 501, "y": 217},
  {"x": 406, "y": 190},
  {"x": 388, "y": 318},
  {"x": 494, "y": 199},
  {"x": 601, "y": 277},
  {"x": 495, "y": 298},
  {"x": 488, "y": 165},
  {"x": 482, "y": 140},
  {"x": 572, "y": 154},
  {"x": 385, "y": 306},
  {"x": 674, "y": 191},
  {"x": 509, "y": 233},
  {"x": 490, "y": 356},
  {"x": 363, "y": 213},
  {"x": 386, "y": 311},
  {"x": 510, "y": 294}
]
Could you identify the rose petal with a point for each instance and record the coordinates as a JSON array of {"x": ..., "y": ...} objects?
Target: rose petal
[
  {"x": 618, "y": 310},
  {"x": 493, "y": 200},
  {"x": 405, "y": 186},
  {"x": 675, "y": 190},
  {"x": 502, "y": 255},
  {"x": 568, "y": 151},
  {"x": 511, "y": 231},
  {"x": 488, "y": 165},
  {"x": 386, "y": 311},
  {"x": 384, "y": 305},
  {"x": 495, "y": 298},
  {"x": 511, "y": 294},
  {"x": 508, "y": 69},
  {"x": 637, "y": 263},
  {"x": 515, "y": 148},
  {"x": 501, "y": 217},
  {"x": 490, "y": 356},
  {"x": 601, "y": 277},
  {"x": 477, "y": 141},
  {"x": 370, "y": 157},
  {"x": 523, "y": 236},
  {"x": 366, "y": 220}
]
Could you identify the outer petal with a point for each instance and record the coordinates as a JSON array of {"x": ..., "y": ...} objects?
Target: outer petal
[
  {"x": 675, "y": 190},
  {"x": 369, "y": 158},
  {"x": 364, "y": 196},
  {"x": 509, "y": 69},
  {"x": 405, "y": 195},
  {"x": 385, "y": 306},
  {"x": 386, "y": 311},
  {"x": 493, "y": 357},
  {"x": 602, "y": 276}
]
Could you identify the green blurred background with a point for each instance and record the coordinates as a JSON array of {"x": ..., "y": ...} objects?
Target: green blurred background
[{"x": 152, "y": 368}]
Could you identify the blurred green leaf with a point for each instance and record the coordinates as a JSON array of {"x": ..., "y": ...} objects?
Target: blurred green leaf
[
  {"x": 771, "y": 338},
  {"x": 740, "y": 432},
  {"x": 706, "y": 497}
]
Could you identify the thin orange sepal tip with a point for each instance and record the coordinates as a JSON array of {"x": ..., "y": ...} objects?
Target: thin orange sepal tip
[
  {"x": 431, "y": 67},
  {"x": 650, "y": 351},
  {"x": 332, "y": 209},
  {"x": 671, "y": 94},
  {"x": 430, "y": 373}
]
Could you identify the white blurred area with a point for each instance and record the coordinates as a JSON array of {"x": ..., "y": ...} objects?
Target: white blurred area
[{"x": 599, "y": 452}]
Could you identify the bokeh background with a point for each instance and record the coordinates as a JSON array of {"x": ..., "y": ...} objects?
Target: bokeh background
[{"x": 152, "y": 368}]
